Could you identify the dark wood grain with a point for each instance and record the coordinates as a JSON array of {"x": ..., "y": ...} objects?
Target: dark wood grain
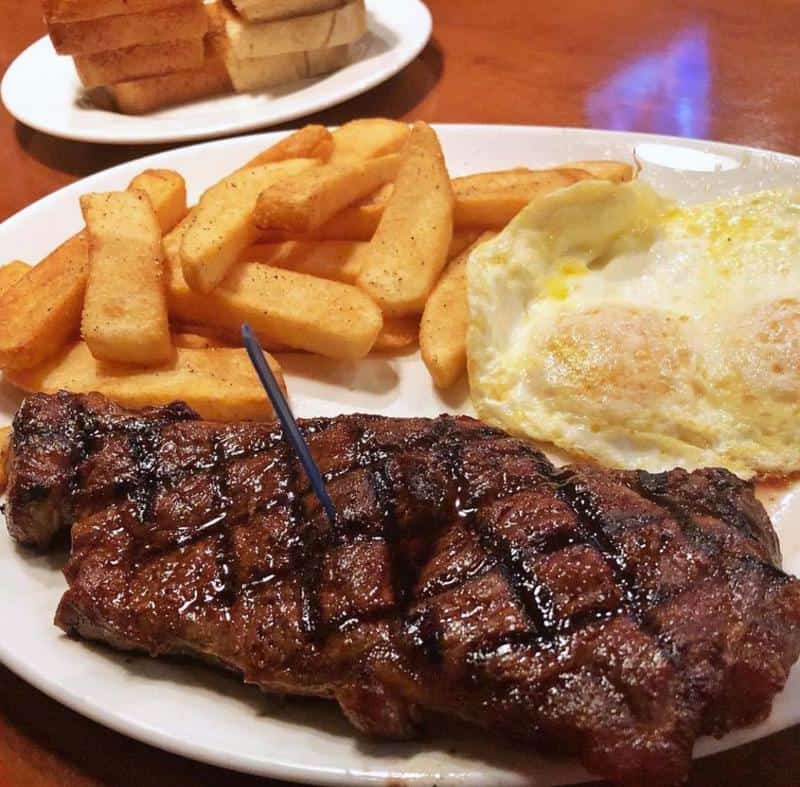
[{"x": 722, "y": 69}]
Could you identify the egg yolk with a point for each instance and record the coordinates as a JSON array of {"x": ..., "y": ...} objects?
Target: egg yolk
[{"x": 556, "y": 285}]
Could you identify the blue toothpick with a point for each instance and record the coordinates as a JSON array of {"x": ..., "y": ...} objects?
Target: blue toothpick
[{"x": 290, "y": 428}]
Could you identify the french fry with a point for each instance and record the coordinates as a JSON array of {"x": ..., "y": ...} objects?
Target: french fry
[
  {"x": 125, "y": 310},
  {"x": 5, "y": 450},
  {"x": 613, "y": 171},
  {"x": 397, "y": 333},
  {"x": 11, "y": 273},
  {"x": 167, "y": 192},
  {"x": 221, "y": 225},
  {"x": 42, "y": 311},
  {"x": 218, "y": 383},
  {"x": 195, "y": 341},
  {"x": 443, "y": 328},
  {"x": 300, "y": 311},
  {"x": 336, "y": 260},
  {"x": 409, "y": 248},
  {"x": 492, "y": 199},
  {"x": 486, "y": 200},
  {"x": 358, "y": 222},
  {"x": 304, "y": 203},
  {"x": 308, "y": 142},
  {"x": 368, "y": 137}
]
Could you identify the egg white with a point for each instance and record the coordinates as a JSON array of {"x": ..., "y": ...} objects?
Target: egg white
[{"x": 622, "y": 327}]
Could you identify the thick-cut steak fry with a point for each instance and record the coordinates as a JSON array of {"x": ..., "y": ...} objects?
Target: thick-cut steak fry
[{"x": 616, "y": 615}]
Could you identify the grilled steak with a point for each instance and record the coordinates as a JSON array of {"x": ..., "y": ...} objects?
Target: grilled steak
[{"x": 615, "y": 615}]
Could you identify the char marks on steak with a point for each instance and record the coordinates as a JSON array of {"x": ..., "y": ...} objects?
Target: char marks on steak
[{"x": 616, "y": 615}]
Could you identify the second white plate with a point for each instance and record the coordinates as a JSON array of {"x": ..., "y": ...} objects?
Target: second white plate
[{"x": 42, "y": 90}]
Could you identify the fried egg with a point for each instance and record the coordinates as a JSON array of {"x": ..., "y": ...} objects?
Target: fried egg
[{"x": 643, "y": 334}]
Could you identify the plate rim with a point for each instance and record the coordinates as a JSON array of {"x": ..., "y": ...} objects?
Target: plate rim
[
  {"x": 413, "y": 48},
  {"x": 136, "y": 728},
  {"x": 146, "y": 159}
]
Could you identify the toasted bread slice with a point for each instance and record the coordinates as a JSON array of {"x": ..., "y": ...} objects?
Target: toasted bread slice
[
  {"x": 325, "y": 30},
  {"x": 76, "y": 10},
  {"x": 258, "y": 73},
  {"x": 136, "y": 62},
  {"x": 270, "y": 10},
  {"x": 124, "y": 30},
  {"x": 145, "y": 95}
]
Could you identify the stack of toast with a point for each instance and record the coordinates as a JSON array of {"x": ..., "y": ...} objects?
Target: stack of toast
[{"x": 154, "y": 53}]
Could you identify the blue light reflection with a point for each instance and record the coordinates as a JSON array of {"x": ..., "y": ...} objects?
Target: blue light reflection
[{"x": 667, "y": 91}]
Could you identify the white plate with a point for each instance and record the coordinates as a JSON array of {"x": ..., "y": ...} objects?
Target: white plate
[
  {"x": 199, "y": 713},
  {"x": 41, "y": 89}
]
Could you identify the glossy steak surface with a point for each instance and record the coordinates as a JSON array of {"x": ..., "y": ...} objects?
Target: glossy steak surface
[{"x": 614, "y": 615}]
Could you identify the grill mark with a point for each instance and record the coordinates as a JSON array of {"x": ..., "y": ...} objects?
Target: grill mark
[
  {"x": 404, "y": 570},
  {"x": 721, "y": 507},
  {"x": 78, "y": 436},
  {"x": 225, "y": 558},
  {"x": 144, "y": 443},
  {"x": 549, "y": 544},
  {"x": 217, "y": 437},
  {"x": 638, "y": 604},
  {"x": 312, "y": 545},
  {"x": 401, "y": 571},
  {"x": 577, "y": 494},
  {"x": 306, "y": 555},
  {"x": 128, "y": 431},
  {"x": 366, "y": 446},
  {"x": 421, "y": 629},
  {"x": 699, "y": 536},
  {"x": 378, "y": 481},
  {"x": 86, "y": 431},
  {"x": 503, "y": 644},
  {"x": 425, "y": 635},
  {"x": 554, "y": 542},
  {"x": 533, "y": 597},
  {"x": 141, "y": 497}
]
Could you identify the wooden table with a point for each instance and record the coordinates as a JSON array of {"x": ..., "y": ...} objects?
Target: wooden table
[{"x": 722, "y": 69}]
